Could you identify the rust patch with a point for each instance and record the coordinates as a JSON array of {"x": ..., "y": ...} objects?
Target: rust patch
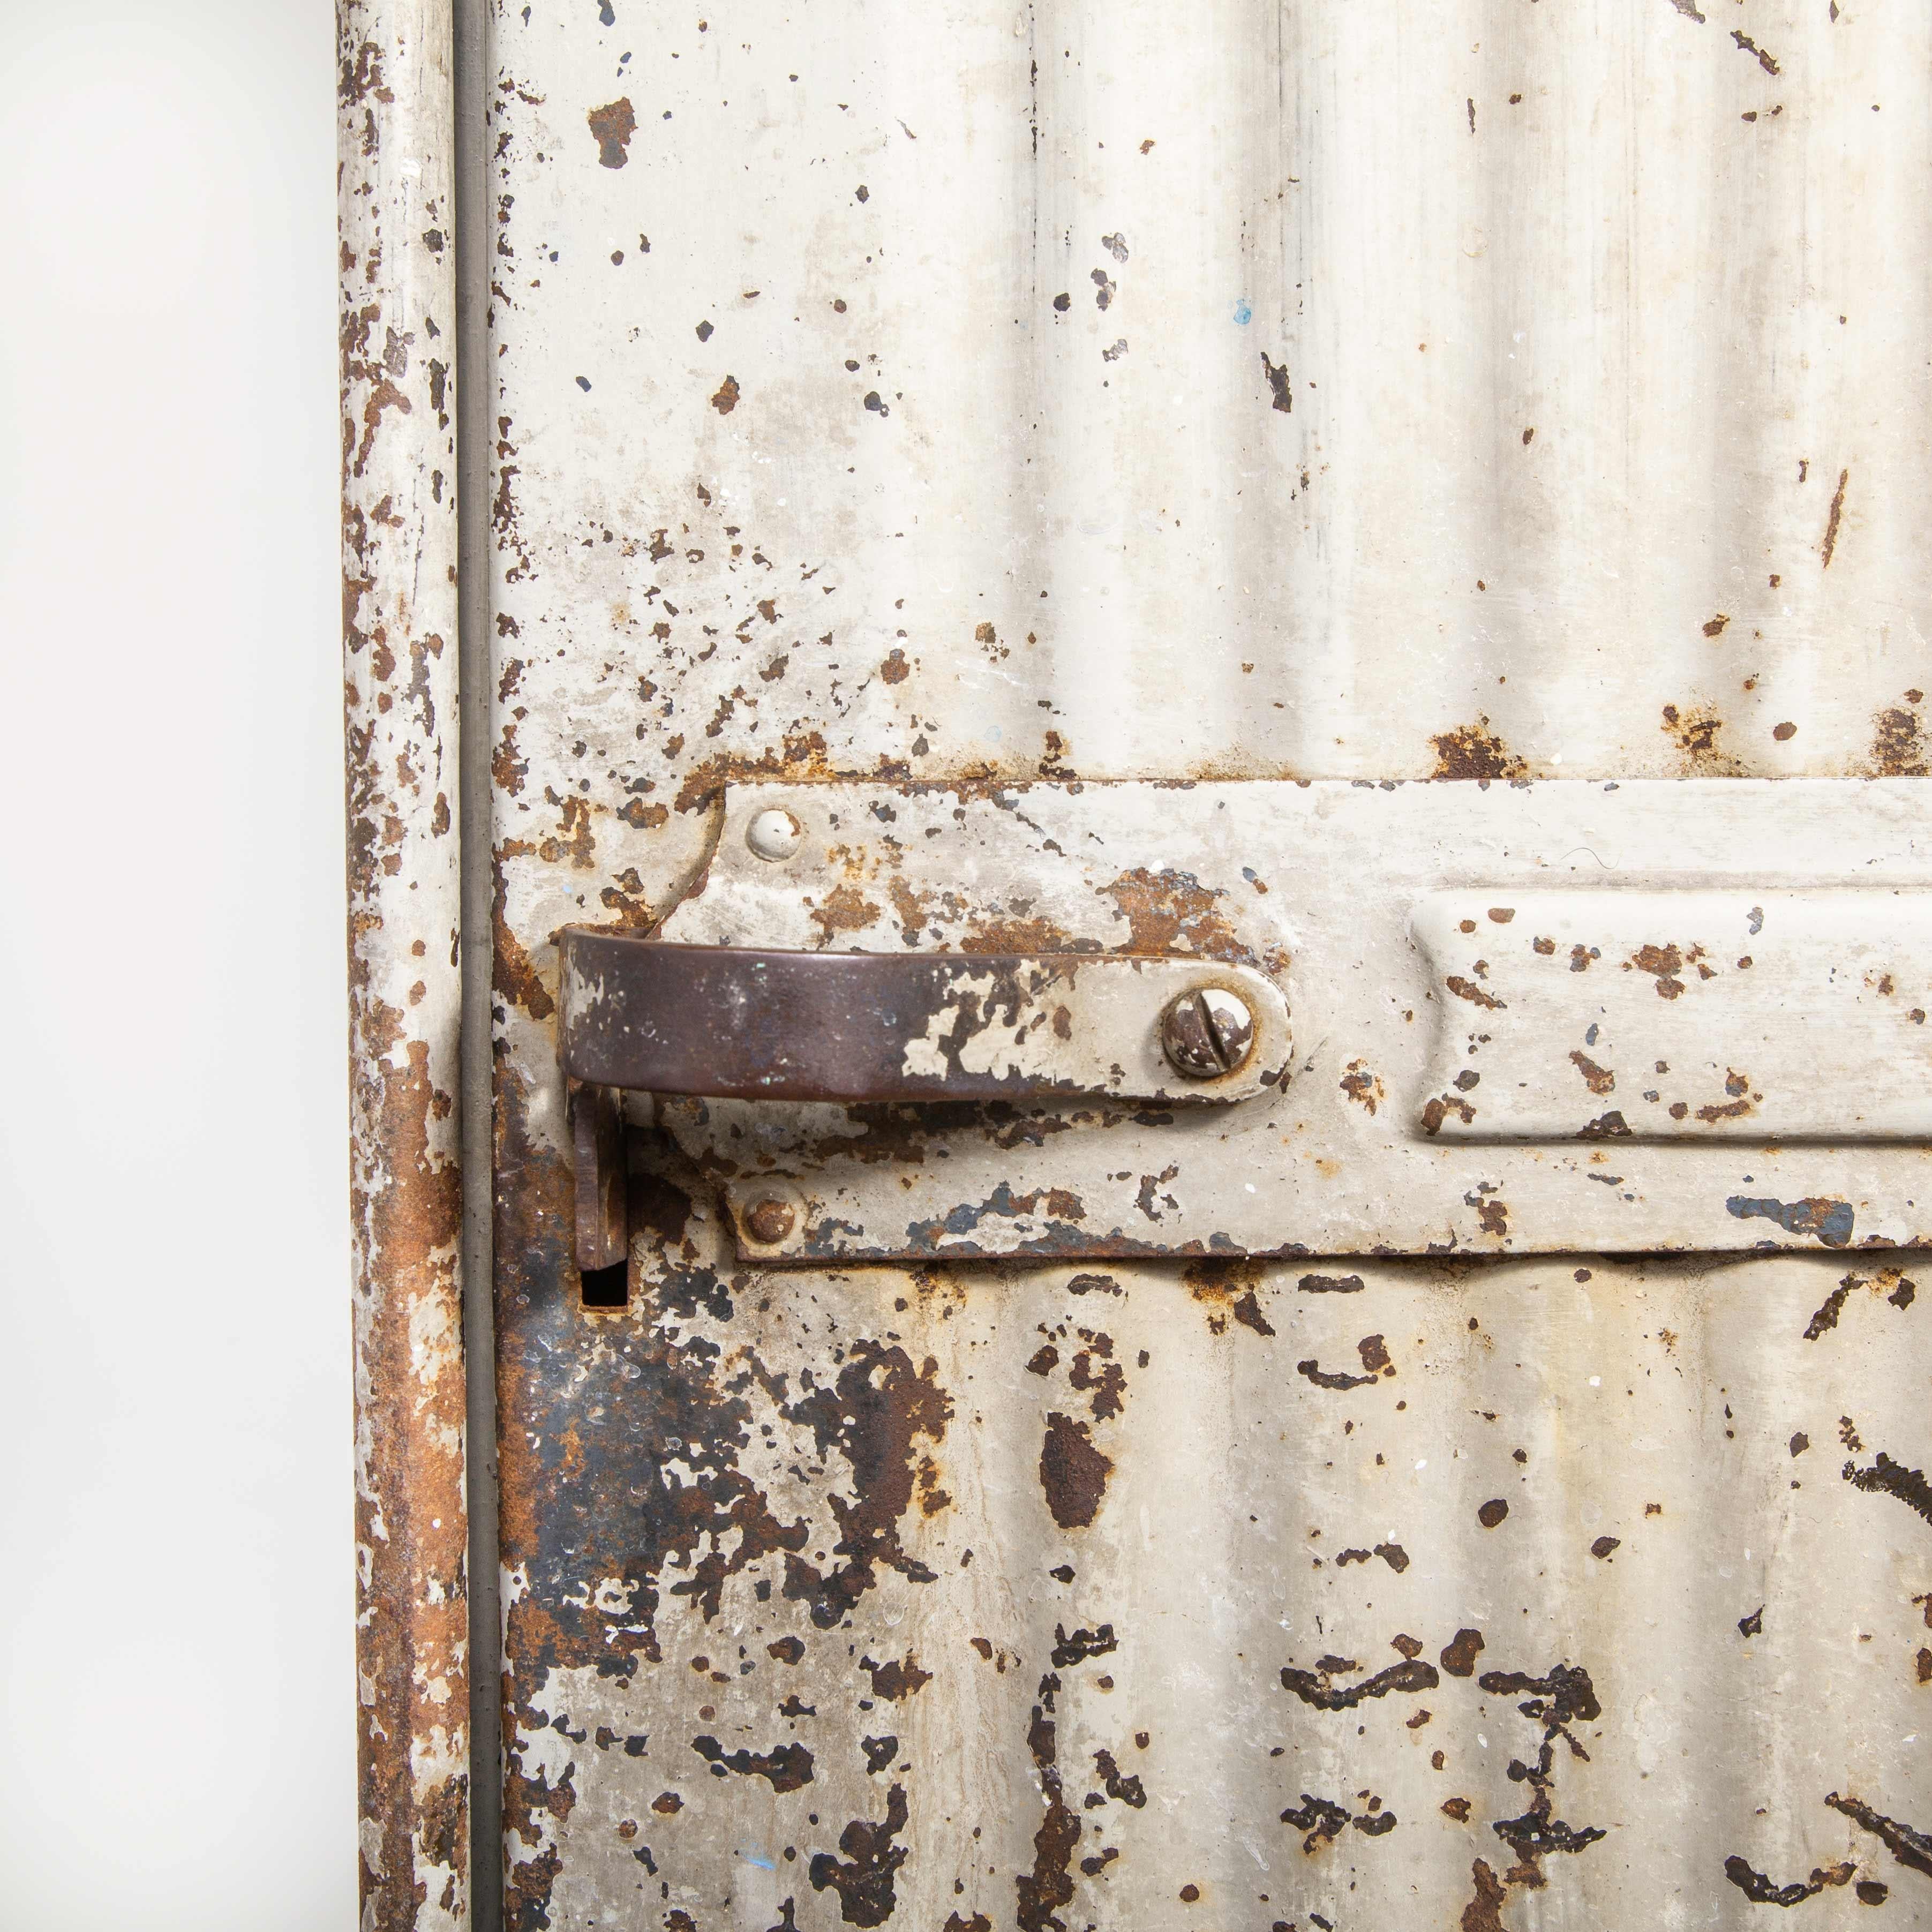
[
  {"x": 1898, "y": 744},
  {"x": 801, "y": 755},
  {"x": 1441, "y": 1106},
  {"x": 1829, "y": 548},
  {"x": 1247, "y": 1312},
  {"x": 1474, "y": 752},
  {"x": 864, "y": 1880},
  {"x": 1069, "y": 1650},
  {"x": 1598, "y": 1079},
  {"x": 1563, "y": 1695},
  {"x": 1484, "y": 1912},
  {"x": 1695, "y": 734},
  {"x": 398, "y": 607},
  {"x": 1330, "y": 1284},
  {"x": 1363, "y": 1086},
  {"x": 874, "y": 1412},
  {"x": 1467, "y": 989},
  {"x": 788, "y": 1768},
  {"x": 1761, "y": 1890},
  {"x": 1020, "y": 935},
  {"x": 725, "y": 397},
  {"x": 1830, "y": 1221},
  {"x": 1128, "y": 1790},
  {"x": 846, "y": 910},
  {"x": 1886, "y": 1477},
  {"x": 1911, "y": 1849},
  {"x": 1041, "y": 1892},
  {"x": 1742, "y": 1101},
  {"x": 1072, "y": 1472},
  {"x": 1664, "y": 963},
  {"x": 1104, "y": 1384},
  {"x": 1171, "y": 911},
  {"x": 897, "y": 1679},
  {"x": 1316, "y": 1689},
  {"x": 613, "y": 124},
  {"x": 511, "y": 974}
]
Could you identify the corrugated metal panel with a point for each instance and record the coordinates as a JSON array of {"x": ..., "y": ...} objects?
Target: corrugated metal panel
[
  {"x": 1516, "y": 1595},
  {"x": 1608, "y": 402},
  {"x": 1241, "y": 393}
]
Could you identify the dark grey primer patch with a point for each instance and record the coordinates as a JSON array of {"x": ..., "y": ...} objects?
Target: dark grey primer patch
[{"x": 1830, "y": 1221}]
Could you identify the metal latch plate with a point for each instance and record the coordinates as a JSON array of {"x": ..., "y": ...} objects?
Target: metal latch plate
[{"x": 1741, "y": 1059}]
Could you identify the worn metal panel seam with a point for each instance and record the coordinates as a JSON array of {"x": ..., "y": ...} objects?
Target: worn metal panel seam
[
  {"x": 396, "y": 264},
  {"x": 479, "y": 1339}
]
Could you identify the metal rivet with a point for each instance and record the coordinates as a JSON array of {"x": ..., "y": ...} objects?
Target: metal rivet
[
  {"x": 1207, "y": 1033},
  {"x": 774, "y": 834},
  {"x": 770, "y": 1222}
]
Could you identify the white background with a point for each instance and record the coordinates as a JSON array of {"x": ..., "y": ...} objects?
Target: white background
[{"x": 176, "y": 1643}]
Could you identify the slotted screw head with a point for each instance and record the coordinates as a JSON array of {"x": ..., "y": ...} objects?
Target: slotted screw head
[
  {"x": 770, "y": 1222},
  {"x": 1207, "y": 1033}
]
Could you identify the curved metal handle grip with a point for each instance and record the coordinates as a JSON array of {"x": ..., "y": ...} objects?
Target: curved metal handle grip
[{"x": 738, "y": 1023}]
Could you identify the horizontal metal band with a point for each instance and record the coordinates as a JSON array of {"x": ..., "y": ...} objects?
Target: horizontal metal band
[
  {"x": 1682, "y": 1015},
  {"x": 737, "y": 1022},
  {"x": 1353, "y": 899}
]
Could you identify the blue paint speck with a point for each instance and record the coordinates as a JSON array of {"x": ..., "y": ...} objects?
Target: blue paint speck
[
  {"x": 1244, "y": 315},
  {"x": 764, "y": 1865}
]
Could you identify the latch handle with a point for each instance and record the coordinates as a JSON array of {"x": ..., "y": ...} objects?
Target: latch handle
[{"x": 736, "y": 1022}]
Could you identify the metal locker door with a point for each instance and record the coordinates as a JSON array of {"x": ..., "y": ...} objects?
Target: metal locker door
[{"x": 1200, "y": 801}]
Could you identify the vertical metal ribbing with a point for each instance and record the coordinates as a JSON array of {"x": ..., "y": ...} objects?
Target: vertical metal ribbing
[{"x": 399, "y": 561}]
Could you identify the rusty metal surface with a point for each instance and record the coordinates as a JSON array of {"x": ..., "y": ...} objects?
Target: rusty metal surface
[
  {"x": 1219, "y": 393},
  {"x": 399, "y": 621},
  {"x": 1526, "y": 1019},
  {"x": 742, "y": 1023},
  {"x": 1573, "y": 442},
  {"x": 598, "y": 1171},
  {"x": 1740, "y": 1016},
  {"x": 1566, "y": 1594}
]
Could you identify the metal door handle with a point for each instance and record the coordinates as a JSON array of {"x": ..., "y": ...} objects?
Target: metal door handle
[
  {"x": 735, "y": 1022},
  {"x": 738, "y": 1023}
]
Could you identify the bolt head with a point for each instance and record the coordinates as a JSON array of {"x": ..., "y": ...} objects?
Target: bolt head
[
  {"x": 1207, "y": 1033},
  {"x": 770, "y": 1222},
  {"x": 774, "y": 834}
]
